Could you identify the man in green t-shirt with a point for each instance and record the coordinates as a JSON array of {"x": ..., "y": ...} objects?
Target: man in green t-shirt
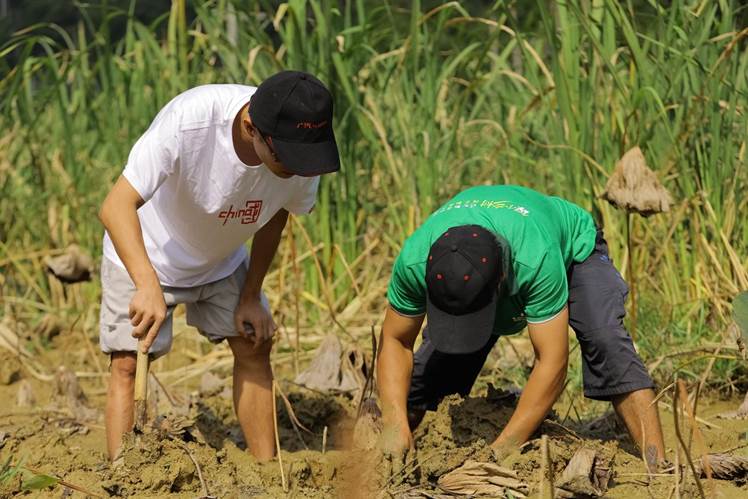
[{"x": 490, "y": 262}]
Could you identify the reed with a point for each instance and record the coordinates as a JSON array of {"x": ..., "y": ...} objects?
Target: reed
[{"x": 429, "y": 100}]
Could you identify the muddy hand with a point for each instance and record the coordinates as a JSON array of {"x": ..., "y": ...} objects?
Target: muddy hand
[
  {"x": 147, "y": 313},
  {"x": 500, "y": 452},
  {"x": 252, "y": 311},
  {"x": 398, "y": 464}
]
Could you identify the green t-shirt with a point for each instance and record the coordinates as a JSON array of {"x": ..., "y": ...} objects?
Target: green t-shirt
[{"x": 541, "y": 236}]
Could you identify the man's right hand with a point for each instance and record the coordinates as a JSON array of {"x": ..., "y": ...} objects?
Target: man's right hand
[
  {"x": 147, "y": 314},
  {"x": 398, "y": 452}
]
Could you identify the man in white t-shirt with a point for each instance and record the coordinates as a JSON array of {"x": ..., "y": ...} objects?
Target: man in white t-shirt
[{"x": 219, "y": 164}]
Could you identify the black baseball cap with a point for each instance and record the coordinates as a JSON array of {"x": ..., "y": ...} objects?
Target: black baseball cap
[
  {"x": 463, "y": 272},
  {"x": 295, "y": 109}
]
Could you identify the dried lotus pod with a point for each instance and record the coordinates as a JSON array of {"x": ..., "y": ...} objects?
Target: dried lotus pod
[{"x": 634, "y": 187}]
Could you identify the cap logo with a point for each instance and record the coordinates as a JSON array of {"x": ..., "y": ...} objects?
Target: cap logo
[{"x": 311, "y": 124}]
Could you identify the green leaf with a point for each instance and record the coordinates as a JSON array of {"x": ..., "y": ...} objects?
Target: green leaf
[
  {"x": 740, "y": 313},
  {"x": 38, "y": 482}
]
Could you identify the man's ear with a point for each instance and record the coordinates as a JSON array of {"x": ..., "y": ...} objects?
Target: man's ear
[{"x": 247, "y": 121}]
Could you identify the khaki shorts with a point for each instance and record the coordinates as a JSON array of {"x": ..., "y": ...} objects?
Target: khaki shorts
[{"x": 210, "y": 308}]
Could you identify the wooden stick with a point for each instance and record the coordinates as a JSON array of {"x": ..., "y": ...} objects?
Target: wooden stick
[
  {"x": 632, "y": 272},
  {"x": 141, "y": 387},
  {"x": 546, "y": 469},
  {"x": 277, "y": 442}
]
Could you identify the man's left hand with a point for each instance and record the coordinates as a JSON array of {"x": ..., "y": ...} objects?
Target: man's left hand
[{"x": 252, "y": 311}]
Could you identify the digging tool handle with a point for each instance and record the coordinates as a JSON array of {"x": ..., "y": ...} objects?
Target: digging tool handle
[{"x": 141, "y": 387}]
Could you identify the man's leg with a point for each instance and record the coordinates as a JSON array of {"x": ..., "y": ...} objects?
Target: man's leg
[
  {"x": 612, "y": 369},
  {"x": 437, "y": 374},
  {"x": 638, "y": 410},
  {"x": 119, "y": 401},
  {"x": 253, "y": 395},
  {"x": 115, "y": 339}
]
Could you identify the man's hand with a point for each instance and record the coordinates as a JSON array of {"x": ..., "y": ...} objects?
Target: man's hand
[
  {"x": 252, "y": 311},
  {"x": 550, "y": 340},
  {"x": 147, "y": 313},
  {"x": 502, "y": 450},
  {"x": 398, "y": 452},
  {"x": 394, "y": 367},
  {"x": 396, "y": 438}
]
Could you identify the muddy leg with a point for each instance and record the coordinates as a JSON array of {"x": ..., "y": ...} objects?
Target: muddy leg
[
  {"x": 638, "y": 413},
  {"x": 253, "y": 397},
  {"x": 119, "y": 401}
]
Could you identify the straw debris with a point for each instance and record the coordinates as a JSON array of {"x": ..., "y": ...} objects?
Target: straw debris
[
  {"x": 724, "y": 467},
  {"x": 634, "y": 187}
]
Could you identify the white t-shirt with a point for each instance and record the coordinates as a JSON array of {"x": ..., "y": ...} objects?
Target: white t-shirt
[{"x": 202, "y": 202}]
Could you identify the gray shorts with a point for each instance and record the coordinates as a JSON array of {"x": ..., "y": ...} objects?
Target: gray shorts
[
  {"x": 610, "y": 364},
  {"x": 210, "y": 308}
]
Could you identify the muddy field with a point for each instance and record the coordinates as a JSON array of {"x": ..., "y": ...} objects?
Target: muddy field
[{"x": 55, "y": 426}]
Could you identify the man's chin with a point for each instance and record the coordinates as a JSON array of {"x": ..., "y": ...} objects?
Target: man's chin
[{"x": 282, "y": 173}]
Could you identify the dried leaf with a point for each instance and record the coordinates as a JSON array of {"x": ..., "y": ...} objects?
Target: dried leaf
[
  {"x": 585, "y": 475},
  {"x": 477, "y": 478},
  {"x": 74, "y": 265},
  {"x": 725, "y": 467},
  {"x": 68, "y": 394},
  {"x": 635, "y": 188},
  {"x": 333, "y": 371},
  {"x": 210, "y": 383}
]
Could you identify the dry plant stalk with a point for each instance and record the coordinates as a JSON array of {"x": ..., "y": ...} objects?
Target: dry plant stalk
[
  {"x": 679, "y": 436},
  {"x": 634, "y": 187},
  {"x": 141, "y": 388},
  {"x": 683, "y": 395}
]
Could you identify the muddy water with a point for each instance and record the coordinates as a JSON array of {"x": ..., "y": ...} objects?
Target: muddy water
[{"x": 51, "y": 437}]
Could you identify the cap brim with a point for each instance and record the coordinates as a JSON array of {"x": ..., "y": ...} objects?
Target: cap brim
[
  {"x": 460, "y": 334},
  {"x": 308, "y": 158}
]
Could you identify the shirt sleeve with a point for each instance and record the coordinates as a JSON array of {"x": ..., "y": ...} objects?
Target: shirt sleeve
[
  {"x": 406, "y": 291},
  {"x": 549, "y": 291},
  {"x": 155, "y": 155},
  {"x": 305, "y": 197}
]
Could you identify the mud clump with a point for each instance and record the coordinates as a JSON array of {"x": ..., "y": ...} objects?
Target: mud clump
[
  {"x": 10, "y": 368},
  {"x": 461, "y": 429}
]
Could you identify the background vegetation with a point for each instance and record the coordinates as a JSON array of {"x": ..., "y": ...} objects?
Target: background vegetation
[{"x": 430, "y": 98}]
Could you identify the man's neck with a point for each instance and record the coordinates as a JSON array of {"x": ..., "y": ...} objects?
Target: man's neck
[{"x": 242, "y": 141}]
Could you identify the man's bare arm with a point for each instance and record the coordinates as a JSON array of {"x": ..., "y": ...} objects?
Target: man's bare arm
[
  {"x": 120, "y": 218},
  {"x": 394, "y": 369},
  {"x": 546, "y": 381},
  {"x": 264, "y": 246}
]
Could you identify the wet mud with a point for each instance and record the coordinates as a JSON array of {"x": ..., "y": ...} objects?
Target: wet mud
[{"x": 195, "y": 447}]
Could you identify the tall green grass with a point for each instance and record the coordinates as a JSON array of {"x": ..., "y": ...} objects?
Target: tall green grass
[{"x": 429, "y": 99}]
